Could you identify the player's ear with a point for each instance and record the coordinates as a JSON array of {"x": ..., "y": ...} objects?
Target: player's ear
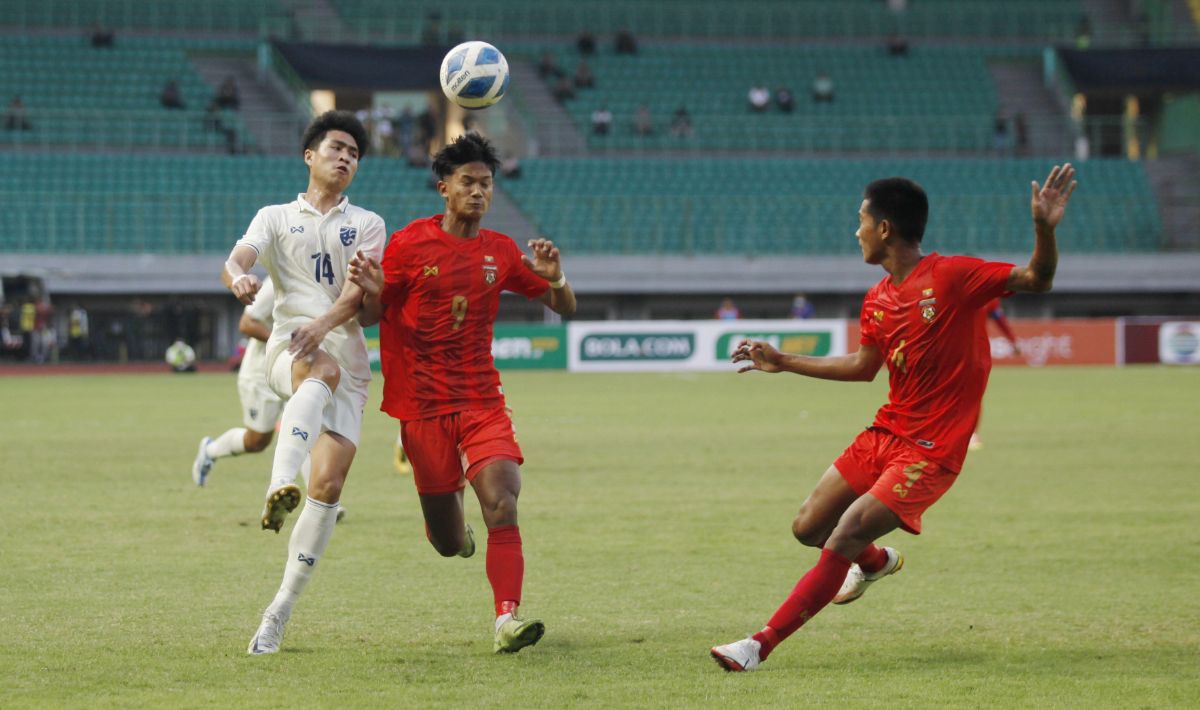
[{"x": 442, "y": 188}]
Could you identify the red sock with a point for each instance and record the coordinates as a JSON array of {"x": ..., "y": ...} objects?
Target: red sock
[
  {"x": 810, "y": 595},
  {"x": 505, "y": 566},
  {"x": 872, "y": 559}
]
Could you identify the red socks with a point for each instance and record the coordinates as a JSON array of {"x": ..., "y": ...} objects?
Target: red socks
[
  {"x": 506, "y": 566},
  {"x": 872, "y": 559},
  {"x": 811, "y": 594}
]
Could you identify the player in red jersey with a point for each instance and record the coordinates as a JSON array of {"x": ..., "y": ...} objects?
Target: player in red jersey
[
  {"x": 441, "y": 283},
  {"x": 924, "y": 321}
]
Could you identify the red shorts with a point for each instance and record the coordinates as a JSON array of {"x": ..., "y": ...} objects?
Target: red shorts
[
  {"x": 448, "y": 450},
  {"x": 887, "y": 467}
]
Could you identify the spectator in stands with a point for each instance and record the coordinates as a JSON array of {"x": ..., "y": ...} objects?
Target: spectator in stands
[
  {"x": 897, "y": 45},
  {"x": 227, "y": 94},
  {"x": 1000, "y": 139},
  {"x": 727, "y": 310},
  {"x": 405, "y": 125},
  {"x": 601, "y": 121},
  {"x": 215, "y": 122},
  {"x": 564, "y": 90},
  {"x": 583, "y": 76},
  {"x": 510, "y": 167},
  {"x": 681, "y": 123},
  {"x": 802, "y": 307},
  {"x": 101, "y": 37},
  {"x": 625, "y": 43},
  {"x": 548, "y": 68},
  {"x": 1021, "y": 133},
  {"x": 586, "y": 43},
  {"x": 170, "y": 96},
  {"x": 822, "y": 88},
  {"x": 643, "y": 122},
  {"x": 759, "y": 97},
  {"x": 45, "y": 341},
  {"x": 1083, "y": 33},
  {"x": 784, "y": 99},
  {"x": 16, "y": 118}
]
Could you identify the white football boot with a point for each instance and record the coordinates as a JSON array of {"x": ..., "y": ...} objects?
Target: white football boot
[
  {"x": 738, "y": 656},
  {"x": 857, "y": 581},
  {"x": 203, "y": 464},
  {"x": 269, "y": 635}
]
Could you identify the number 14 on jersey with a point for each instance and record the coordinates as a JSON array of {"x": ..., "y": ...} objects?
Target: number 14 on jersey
[{"x": 322, "y": 267}]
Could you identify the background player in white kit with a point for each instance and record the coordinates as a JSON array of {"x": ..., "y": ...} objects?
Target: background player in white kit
[{"x": 316, "y": 355}]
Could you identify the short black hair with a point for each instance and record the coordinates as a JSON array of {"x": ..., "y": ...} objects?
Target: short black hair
[
  {"x": 334, "y": 121},
  {"x": 468, "y": 148},
  {"x": 901, "y": 202}
]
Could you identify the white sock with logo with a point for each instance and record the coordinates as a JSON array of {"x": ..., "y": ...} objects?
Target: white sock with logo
[
  {"x": 231, "y": 443},
  {"x": 306, "y": 470},
  {"x": 310, "y": 537},
  {"x": 298, "y": 430}
]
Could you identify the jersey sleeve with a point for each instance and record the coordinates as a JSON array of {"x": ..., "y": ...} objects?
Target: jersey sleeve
[
  {"x": 519, "y": 278},
  {"x": 979, "y": 281},
  {"x": 374, "y": 238},
  {"x": 259, "y": 236},
  {"x": 866, "y": 324},
  {"x": 264, "y": 301},
  {"x": 395, "y": 278}
]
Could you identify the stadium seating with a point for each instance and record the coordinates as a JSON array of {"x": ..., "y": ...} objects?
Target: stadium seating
[
  {"x": 190, "y": 15},
  {"x": 396, "y": 21},
  {"x": 77, "y": 95},
  {"x": 760, "y": 207},
  {"x": 171, "y": 204},
  {"x": 938, "y": 98}
]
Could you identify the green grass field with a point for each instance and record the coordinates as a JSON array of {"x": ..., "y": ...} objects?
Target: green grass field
[{"x": 1063, "y": 570}]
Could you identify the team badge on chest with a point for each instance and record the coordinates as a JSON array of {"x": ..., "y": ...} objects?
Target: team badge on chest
[
  {"x": 489, "y": 269},
  {"x": 928, "y": 312}
]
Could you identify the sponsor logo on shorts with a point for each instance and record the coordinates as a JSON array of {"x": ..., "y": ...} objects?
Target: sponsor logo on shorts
[{"x": 253, "y": 413}]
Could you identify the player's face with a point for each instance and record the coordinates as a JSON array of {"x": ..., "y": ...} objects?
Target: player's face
[
  {"x": 334, "y": 161},
  {"x": 870, "y": 239},
  {"x": 468, "y": 191}
]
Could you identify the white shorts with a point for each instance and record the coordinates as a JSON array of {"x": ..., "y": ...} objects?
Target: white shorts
[
  {"x": 349, "y": 399},
  {"x": 260, "y": 406}
]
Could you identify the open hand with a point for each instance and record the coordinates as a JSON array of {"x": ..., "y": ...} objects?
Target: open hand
[
  {"x": 1049, "y": 201},
  {"x": 760, "y": 355},
  {"x": 366, "y": 273},
  {"x": 545, "y": 261},
  {"x": 307, "y": 338}
]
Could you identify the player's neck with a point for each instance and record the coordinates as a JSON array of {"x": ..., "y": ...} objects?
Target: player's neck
[
  {"x": 322, "y": 198},
  {"x": 901, "y": 262},
  {"x": 459, "y": 227}
]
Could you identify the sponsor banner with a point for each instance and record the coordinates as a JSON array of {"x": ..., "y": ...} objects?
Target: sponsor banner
[
  {"x": 513, "y": 346},
  {"x": 691, "y": 345},
  {"x": 1179, "y": 343},
  {"x": 1068, "y": 341},
  {"x": 529, "y": 347}
]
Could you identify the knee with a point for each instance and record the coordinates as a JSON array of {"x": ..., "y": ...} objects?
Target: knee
[
  {"x": 807, "y": 533},
  {"x": 328, "y": 372},
  {"x": 501, "y": 510},
  {"x": 256, "y": 441},
  {"x": 447, "y": 546}
]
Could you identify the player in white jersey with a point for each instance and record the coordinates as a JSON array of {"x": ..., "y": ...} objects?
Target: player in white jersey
[
  {"x": 316, "y": 355},
  {"x": 260, "y": 406}
]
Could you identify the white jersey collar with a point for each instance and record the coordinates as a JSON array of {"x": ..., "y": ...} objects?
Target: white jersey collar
[{"x": 303, "y": 206}]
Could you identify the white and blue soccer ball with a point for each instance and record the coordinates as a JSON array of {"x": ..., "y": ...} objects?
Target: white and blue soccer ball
[{"x": 474, "y": 75}]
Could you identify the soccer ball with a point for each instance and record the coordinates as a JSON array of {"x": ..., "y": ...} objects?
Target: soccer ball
[{"x": 474, "y": 75}]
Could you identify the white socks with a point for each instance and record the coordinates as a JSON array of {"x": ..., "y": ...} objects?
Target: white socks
[
  {"x": 231, "y": 443},
  {"x": 309, "y": 538},
  {"x": 299, "y": 429}
]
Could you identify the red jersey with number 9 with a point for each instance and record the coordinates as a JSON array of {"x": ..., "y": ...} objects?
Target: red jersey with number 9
[
  {"x": 931, "y": 331},
  {"x": 440, "y": 296}
]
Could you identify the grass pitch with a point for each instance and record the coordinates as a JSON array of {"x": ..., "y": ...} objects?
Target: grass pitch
[{"x": 1061, "y": 571}]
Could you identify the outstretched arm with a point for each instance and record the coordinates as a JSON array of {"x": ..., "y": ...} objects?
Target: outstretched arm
[
  {"x": 1048, "y": 204},
  {"x": 560, "y": 297},
  {"x": 860, "y": 366}
]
